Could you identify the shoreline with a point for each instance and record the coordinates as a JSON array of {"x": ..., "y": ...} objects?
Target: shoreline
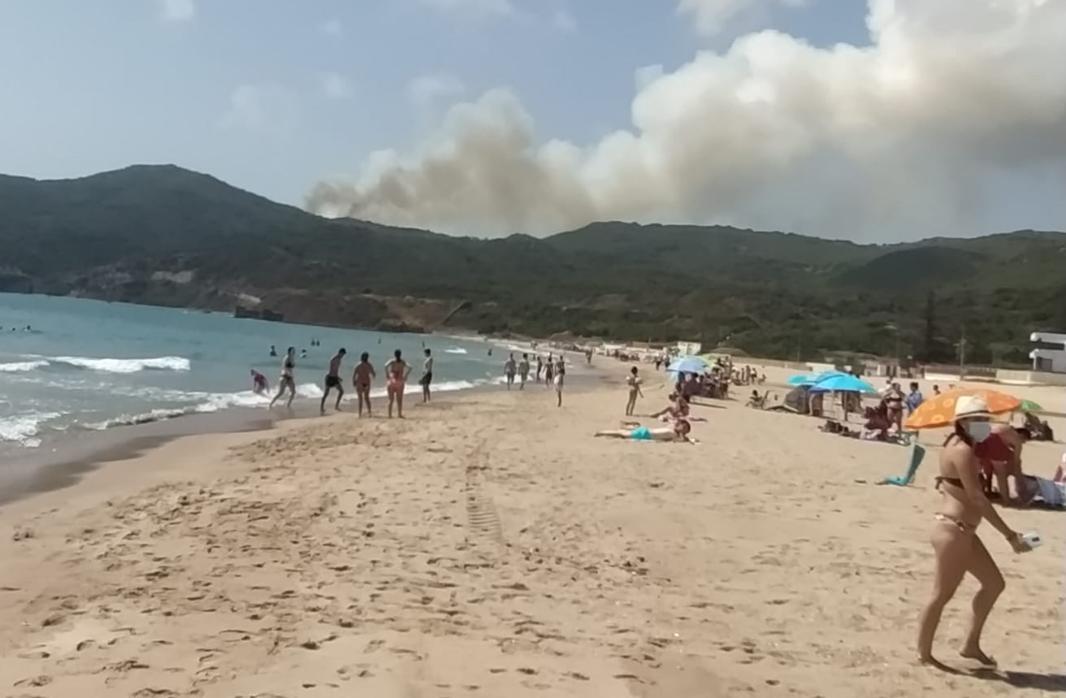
[{"x": 61, "y": 461}]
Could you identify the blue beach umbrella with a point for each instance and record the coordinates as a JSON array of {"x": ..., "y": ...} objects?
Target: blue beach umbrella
[
  {"x": 811, "y": 378},
  {"x": 842, "y": 383},
  {"x": 688, "y": 364}
]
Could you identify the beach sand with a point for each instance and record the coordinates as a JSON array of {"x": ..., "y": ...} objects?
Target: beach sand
[{"x": 488, "y": 546}]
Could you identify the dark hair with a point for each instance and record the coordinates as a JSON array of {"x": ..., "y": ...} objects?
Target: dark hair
[
  {"x": 396, "y": 353},
  {"x": 633, "y": 370},
  {"x": 960, "y": 433},
  {"x": 427, "y": 352},
  {"x": 914, "y": 386},
  {"x": 290, "y": 349},
  {"x": 365, "y": 356},
  {"x": 1024, "y": 433},
  {"x": 343, "y": 351}
]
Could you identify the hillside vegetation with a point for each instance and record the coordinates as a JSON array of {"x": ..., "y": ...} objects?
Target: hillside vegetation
[{"x": 164, "y": 235}]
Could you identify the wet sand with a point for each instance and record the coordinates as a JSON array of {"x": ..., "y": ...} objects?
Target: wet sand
[{"x": 489, "y": 546}]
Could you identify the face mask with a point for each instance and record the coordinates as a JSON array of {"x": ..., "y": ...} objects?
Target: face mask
[{"x": 978, "y": 431}]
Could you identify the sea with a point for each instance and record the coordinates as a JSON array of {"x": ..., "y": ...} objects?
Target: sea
[{"x": 70, "y": 365}]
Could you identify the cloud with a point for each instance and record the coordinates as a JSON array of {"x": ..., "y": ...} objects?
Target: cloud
[
  {"x": 428, "y": 89},
  {"x": 473, "y": 8},
  {"x": 332, "y": 27},
  {"x": 177, "y": 10},
  {"x": 264, "y": 109},
  {"x": 712, "y": 16},
  {"x": 336, "y": 86},
  {"x": 951, "y": 121},
  {"x": 564, "y": 21}
]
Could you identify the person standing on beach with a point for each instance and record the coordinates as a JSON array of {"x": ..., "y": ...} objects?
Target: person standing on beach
[
  {"x": 509, "y": 370},
  {"x": 396, "y": 373},
  {"x": 560, "y": 376},
  {"x": 427, "y": 376},
  {"x": 914, "y": 399},
  {"x": 633, "y": 381},
  {"x": 540, "y": 367},
  {"x": 287, "y": 382},
  {"x": 957, "y": 548},
  {"x": 361, "y": 379},
  {"x": 333, "y": 380},
  {"x": 549, "y": 373},
  {"x": 894, "y": 403},
  {"x": 523, "y": 371}
]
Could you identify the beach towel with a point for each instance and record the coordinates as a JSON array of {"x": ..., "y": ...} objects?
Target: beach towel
[
  {"x": 917, "y": 454},
  {"x": 1049, "y": 492}
]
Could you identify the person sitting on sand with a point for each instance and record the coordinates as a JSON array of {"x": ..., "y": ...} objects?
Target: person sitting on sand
[
  {"x": 877, "y": 424},
  {"x": 1001, "y": 459},
  {"x": 677, "y": 409},
  {"x": 956, "y": 545},
  {"x": 633, "y": 381},
  {"x": 361, "y": 379},
  {"x": 678, "y": 432}
]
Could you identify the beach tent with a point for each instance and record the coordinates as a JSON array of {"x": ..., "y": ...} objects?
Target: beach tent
[{"x": 797, "y": 400}]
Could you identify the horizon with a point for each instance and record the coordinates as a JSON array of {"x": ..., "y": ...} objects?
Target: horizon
[
  {"x": 642, "y": 224},
  {"x": 873, "y": 121}
]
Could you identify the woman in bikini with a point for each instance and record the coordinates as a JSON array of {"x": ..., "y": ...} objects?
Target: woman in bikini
[
  {"x": 396, "y": 372},
  {"x": 287, "y": 382},
  {"x": 633, "y": 381},
  {"x": 958, "y": 549}
]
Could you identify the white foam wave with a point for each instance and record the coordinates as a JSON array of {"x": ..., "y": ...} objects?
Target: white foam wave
[
  {"x": 107, "y": 365},
  {"x": 22, "y": 428},
  {"x": 22, "y": 366},
  {"x": 455, "y": 350}
]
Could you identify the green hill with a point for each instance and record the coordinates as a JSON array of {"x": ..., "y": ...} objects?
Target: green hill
[{"x": 165, "y": 235}]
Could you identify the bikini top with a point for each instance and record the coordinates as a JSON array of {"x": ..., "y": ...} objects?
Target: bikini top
[{"x": 950, "y": 480}]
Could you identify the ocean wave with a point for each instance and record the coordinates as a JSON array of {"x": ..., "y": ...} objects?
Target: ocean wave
[
  {"x": 455, "y": 350},
  {"x": 23, "y": 428},
  {"x": 22, "y": 366},
  {"x": 107, "y": 365}
]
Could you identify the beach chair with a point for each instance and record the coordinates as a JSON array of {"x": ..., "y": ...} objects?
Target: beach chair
[{"x": 917, "y": 454}]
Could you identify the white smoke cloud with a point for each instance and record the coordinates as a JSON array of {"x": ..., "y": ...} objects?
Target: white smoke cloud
[{"x": 951, "y": 121}]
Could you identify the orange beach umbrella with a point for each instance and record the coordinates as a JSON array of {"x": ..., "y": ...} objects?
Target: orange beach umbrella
[{"x": 939, "y": 411}]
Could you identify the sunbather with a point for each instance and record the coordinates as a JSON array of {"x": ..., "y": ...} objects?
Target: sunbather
[{"x": 678, "y": 432}]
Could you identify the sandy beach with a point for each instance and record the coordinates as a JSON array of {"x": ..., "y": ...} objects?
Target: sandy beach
[{"x": 489, "y": 546}]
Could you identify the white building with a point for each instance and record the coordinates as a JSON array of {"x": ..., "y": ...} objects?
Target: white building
[
  {"x": 1049, "y": 360},
  {"x": 689, "y": 348}
]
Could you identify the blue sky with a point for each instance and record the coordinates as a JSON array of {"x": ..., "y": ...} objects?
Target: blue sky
[
  {"x": 277, "y": 96},
  {"x": 90, "y": 86}
]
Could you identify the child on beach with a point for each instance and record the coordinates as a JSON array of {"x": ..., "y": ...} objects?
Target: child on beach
[{"x": 633, "y": 381}]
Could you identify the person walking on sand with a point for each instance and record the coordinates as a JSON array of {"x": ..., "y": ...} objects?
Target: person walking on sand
[
  {"x": 396, "y": 373},
  {"x": 427, "y": 376},
  {"x": 509, "y": 370},
  {"x": 523, "y": 371},
  {"x": 955, "y": 542},
  {"x": 361, "y": 379},
  {"x": 333, "y": 380},
  {"x": 560, "y": 377},
  {"x": 287, "y": 382},
  {"x": 633, "y": 381}
]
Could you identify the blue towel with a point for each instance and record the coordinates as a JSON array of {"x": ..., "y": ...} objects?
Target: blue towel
[{"x": 917, "y": 454}]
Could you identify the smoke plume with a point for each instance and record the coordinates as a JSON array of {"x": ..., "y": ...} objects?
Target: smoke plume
[{"x": 952, "y": 120}]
